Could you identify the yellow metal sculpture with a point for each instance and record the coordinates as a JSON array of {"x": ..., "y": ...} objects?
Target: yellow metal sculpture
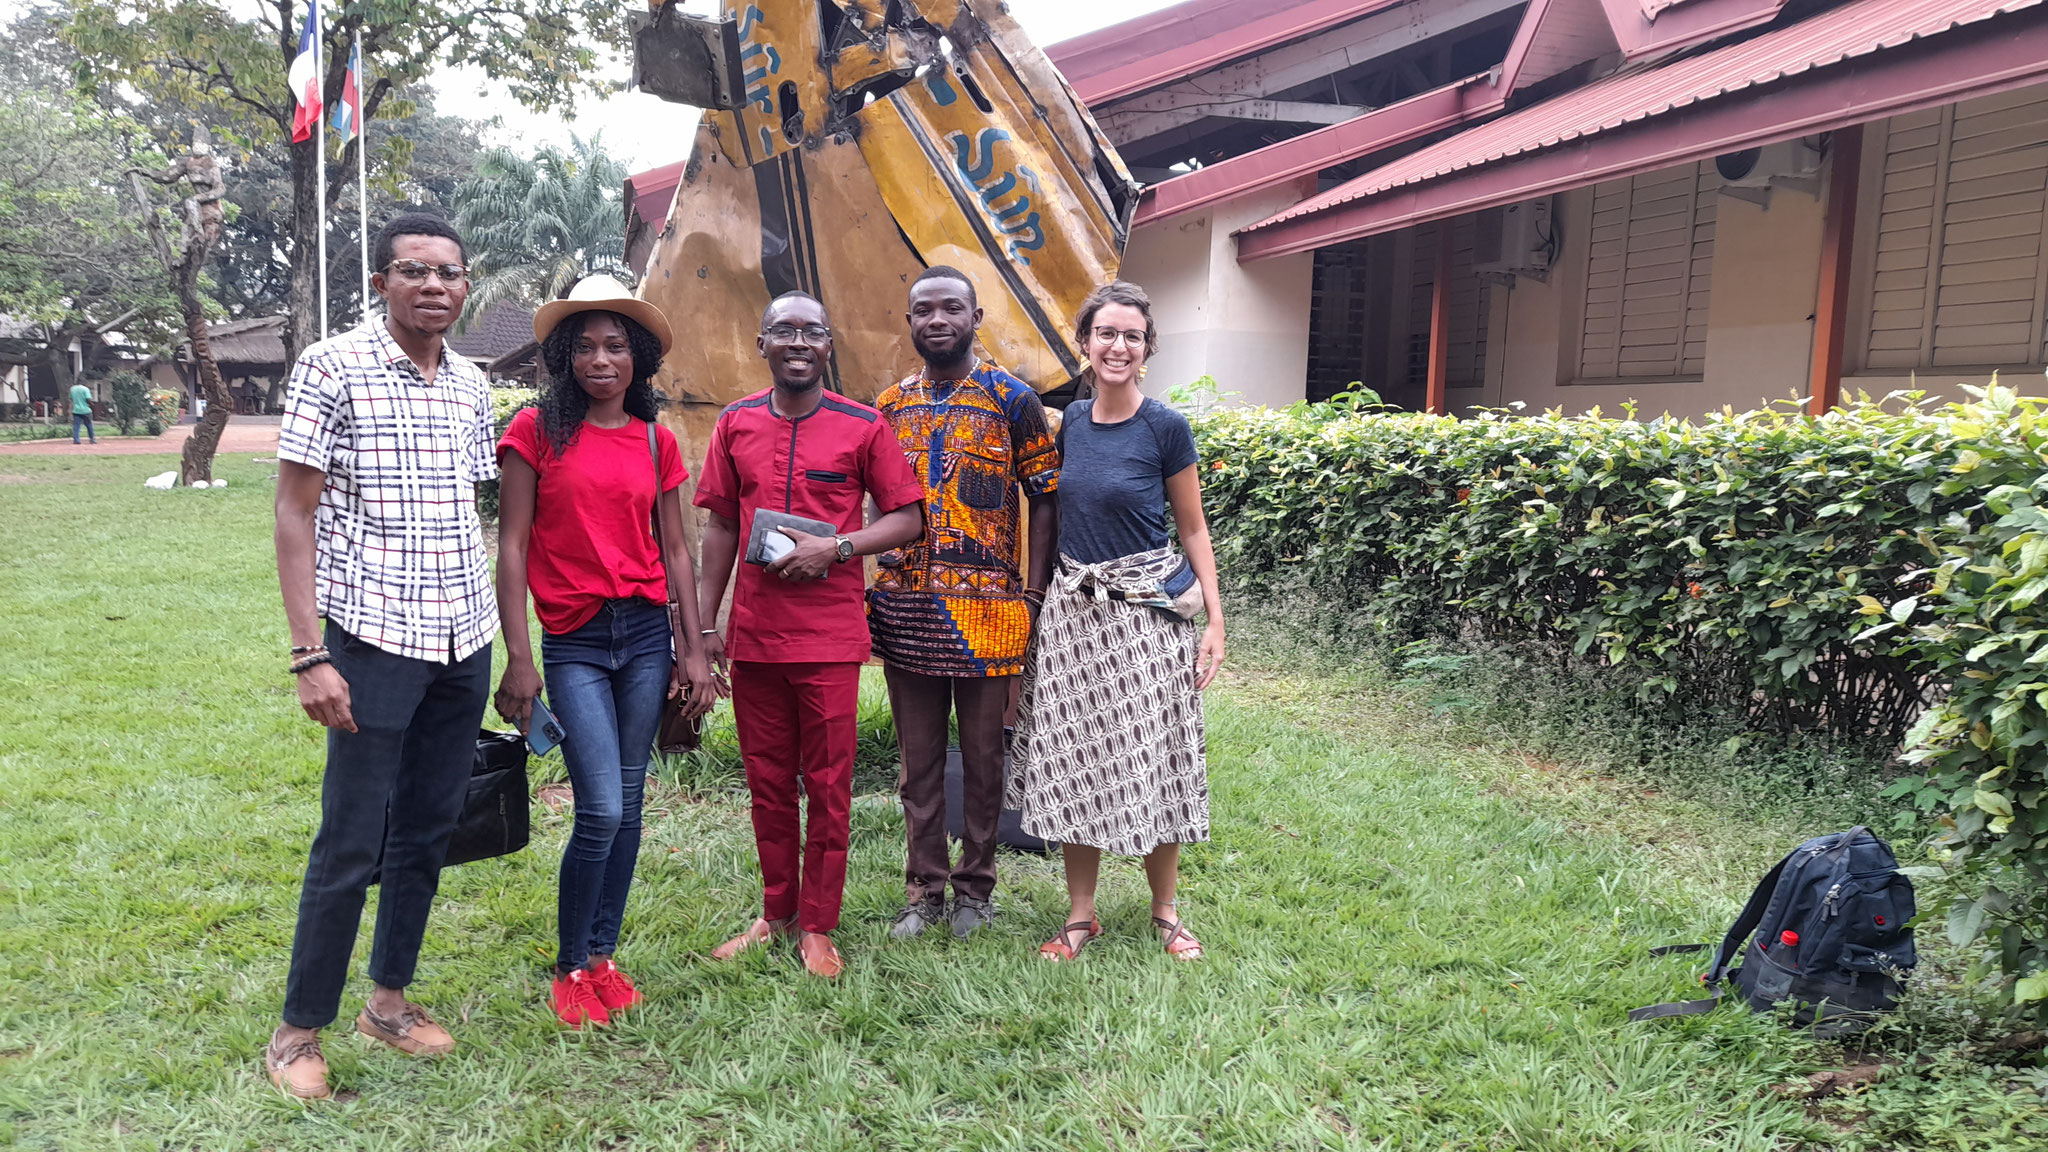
[{"x": 847, "y": 145}]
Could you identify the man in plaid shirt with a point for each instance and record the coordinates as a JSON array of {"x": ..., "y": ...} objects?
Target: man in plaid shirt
[{"x": 385, "y": 436}]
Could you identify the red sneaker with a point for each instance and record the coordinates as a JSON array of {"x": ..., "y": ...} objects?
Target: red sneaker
[
  {"x": 576, "y": 1000},
  {"x": 614, "y": 989}
]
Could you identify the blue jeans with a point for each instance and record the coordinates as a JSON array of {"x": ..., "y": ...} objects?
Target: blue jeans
[
  {"x": 82, "y": 420},
  {"x": 606, "y": 683}
]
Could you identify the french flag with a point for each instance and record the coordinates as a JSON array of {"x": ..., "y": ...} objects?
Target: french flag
[
  {"x": 348, "y": 111},
  {"x": 304, "y": 77}
]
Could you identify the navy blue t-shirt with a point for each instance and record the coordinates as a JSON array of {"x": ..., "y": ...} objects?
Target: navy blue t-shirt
[{"x": 1113, "y": 482}]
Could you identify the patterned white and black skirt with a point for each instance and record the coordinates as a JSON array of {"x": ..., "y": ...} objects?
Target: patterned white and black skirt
[{"x": 1109, "y": 748}]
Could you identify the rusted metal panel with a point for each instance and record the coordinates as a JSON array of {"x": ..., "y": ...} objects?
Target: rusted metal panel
[{"x": 874, "y": 139}]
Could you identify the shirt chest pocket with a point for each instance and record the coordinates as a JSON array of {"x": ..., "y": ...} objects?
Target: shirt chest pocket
[{"x": 831, "y": 493}]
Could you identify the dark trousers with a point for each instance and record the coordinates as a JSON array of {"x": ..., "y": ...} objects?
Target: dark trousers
[
  {"x": 799, "y": 721},
  {"x": 82, "y": 420},
  {"x": 922, "y": 705},
  {"x": 393, "y": 791}
]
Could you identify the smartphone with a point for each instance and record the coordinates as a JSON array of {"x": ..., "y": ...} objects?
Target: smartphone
[{"x": 543, "y": 732}]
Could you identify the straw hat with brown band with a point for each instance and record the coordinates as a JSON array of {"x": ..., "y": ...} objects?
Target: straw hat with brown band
[{"x": 601, "y": 293}]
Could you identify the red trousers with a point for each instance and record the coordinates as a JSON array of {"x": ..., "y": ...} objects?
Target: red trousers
[{"x": 797, "y": 728}]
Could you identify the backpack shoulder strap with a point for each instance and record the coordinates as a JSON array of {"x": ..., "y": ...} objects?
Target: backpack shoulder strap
[{"x": 1746, "y": 922}]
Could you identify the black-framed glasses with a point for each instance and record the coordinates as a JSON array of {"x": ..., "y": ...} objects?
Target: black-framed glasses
[
  {"x": 789, "y": 333},
  {"x": 1111, "y": 337},
  {"x": 415, "y": 271}
]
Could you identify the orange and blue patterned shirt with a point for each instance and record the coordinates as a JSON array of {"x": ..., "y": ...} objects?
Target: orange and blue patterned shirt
[{"x": 952, "y": 604}]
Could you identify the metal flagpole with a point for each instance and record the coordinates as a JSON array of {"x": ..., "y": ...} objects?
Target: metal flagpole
[
  {"x": 320, "y": 153},
  {"x": 362, "y": 127}
]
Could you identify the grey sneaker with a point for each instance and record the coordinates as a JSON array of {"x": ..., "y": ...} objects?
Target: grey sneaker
[
  {"x": 969, "y": 914},
  {"x": 917, "y": 916}
]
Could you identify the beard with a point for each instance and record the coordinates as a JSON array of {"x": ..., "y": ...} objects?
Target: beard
[{"x": 943, "y": 353}]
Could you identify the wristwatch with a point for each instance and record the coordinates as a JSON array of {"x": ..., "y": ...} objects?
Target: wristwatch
[{"x": 844, "y": 546}]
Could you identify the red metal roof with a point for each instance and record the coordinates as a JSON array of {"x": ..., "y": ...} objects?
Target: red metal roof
[
  {"x": 1175, "y": 43},
  {"x": 1311, "y": 152},
  {"x": 649, "y": 193},
  {"x": 1854, "y": 30}
]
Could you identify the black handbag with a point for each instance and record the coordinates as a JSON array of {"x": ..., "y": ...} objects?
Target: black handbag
[{"x": 495, "y": 820}]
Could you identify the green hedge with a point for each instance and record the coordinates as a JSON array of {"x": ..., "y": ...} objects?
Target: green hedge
[{"x": 1834, "y": 575}]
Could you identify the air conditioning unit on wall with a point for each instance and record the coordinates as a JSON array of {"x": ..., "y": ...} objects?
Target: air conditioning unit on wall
[
  {"x": 1751, "y": 173},
  {"x": 1518, "y": 240}
]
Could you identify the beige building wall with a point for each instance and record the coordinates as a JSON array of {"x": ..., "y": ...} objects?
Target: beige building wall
[{"x": 1244, "y": 324}]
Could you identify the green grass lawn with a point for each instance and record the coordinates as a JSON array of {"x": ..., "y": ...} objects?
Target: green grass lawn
[{"x": 1412, "y": 943}]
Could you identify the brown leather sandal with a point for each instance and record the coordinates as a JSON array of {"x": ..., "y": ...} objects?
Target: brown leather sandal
[
  {"x": 1179, "y": 942},
  {"x": 759, "y": 932},
  {"x": 1057, "y": 948}
]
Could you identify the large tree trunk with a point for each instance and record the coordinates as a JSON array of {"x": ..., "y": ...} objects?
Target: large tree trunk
[
  {"x": 196, "y": 463},
  {"x": 302, "y": 315}
]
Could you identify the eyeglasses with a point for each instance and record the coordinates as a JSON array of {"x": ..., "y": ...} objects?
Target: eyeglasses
[
  {"x": 790, "y": 333},
  {"x": 1112, "y": 337},
  {"x": 415, "y": 271}
]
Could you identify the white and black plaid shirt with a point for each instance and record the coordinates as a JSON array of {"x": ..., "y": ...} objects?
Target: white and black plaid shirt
[{"x": 399, "y": 551}]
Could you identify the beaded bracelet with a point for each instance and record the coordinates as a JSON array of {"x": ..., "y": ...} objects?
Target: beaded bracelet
[
  {"x": 311, "y": 662},
  {"x": 307, "y": 649}
]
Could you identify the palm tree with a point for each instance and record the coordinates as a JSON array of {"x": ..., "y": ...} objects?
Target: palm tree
[{"x": 536, "y": 225}]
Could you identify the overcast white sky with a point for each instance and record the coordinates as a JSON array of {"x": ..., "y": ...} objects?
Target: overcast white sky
[{"x": 645, "y": 131}]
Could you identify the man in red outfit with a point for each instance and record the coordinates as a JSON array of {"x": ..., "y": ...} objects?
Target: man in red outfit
[{"x": 799, "y": 631}]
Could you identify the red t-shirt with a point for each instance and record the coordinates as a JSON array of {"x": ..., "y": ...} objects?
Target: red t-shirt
[
  {"x": 820, "y": 466},
  {"x": 593, "y": 535}
]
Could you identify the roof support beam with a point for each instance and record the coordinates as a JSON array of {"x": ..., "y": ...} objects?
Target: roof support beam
[
  {"x": 1146, "y": 125},
  {"x": 1311, "y": 152},
  {"x": 1433, "y": 401},
  {"x": 1979, "y": 60},
  {"x": 1838, "y": 237},
  {"x": 1126, "y": 121}
]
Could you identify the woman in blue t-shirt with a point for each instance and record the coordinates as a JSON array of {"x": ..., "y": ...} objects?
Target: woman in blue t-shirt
[{"x": 1108, "y": 754}]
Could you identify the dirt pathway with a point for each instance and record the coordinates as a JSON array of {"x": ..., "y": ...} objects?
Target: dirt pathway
[{"x": 252, "y": 434}]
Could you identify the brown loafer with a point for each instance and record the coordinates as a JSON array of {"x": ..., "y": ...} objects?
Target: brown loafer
[
  {"x": 299, "y": 1069},
  {"x": 759, "y": 932},
  {"x": 412, "y": 1031},
  {"x": 821, "y": 957}
]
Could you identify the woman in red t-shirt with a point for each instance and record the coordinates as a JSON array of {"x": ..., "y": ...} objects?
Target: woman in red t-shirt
[{"x": 580, "y": 475}]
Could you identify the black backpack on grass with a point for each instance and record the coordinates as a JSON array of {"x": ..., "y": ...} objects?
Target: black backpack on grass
[{"x": 1825, "y": 931}]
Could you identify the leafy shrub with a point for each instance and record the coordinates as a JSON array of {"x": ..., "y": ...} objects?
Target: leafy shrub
[
  {"x": 164, "y": 404},
  {"x": 505, "y": 404},
  {"x": 1830, "y": 576},
  {"x": 131, "y": 398}
]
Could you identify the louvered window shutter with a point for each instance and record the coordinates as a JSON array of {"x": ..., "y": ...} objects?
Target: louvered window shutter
[
  {"x": 1648, "y": 272},
  {"x": 1471, "y": 301},
  {"x": 1959, "y": 281}
]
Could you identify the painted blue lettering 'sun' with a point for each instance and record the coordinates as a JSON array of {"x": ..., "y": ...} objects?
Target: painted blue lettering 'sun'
[
  {"x": 976, "y": 162},
  {"x": 976, "y": 171},
  {"x": 941, "y": 88},
  {"x": 761, "y": 62}
]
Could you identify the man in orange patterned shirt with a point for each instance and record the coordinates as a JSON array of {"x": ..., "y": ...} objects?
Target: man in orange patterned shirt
[{"x": 951, "y": 614}]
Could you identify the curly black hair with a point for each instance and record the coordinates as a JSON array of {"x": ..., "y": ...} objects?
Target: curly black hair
[{"x": 563, "y": 402}]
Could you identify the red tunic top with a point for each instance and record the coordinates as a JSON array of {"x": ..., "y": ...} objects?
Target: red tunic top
[
  {"x": 593, "y": 534},
  {"x": 820, "y": 466}
]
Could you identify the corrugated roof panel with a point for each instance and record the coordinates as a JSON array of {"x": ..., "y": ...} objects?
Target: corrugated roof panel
[{"x": 1853, "y": 30}]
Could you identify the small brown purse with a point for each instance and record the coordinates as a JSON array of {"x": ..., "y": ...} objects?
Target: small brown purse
[{"x": 678, "y": 731}]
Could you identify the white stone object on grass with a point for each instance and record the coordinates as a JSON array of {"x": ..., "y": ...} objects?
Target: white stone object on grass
[{"x": 162, "y": 481}]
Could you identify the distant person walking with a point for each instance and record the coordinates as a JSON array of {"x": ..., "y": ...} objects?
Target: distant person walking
[
  {"x": 81, "y": 412},
  {"x": 951, "y": 614},
  {"x": 581, "y": 473},
  {"x": 1108, "y": 754},
  {"x": 385, "y": 436}
]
